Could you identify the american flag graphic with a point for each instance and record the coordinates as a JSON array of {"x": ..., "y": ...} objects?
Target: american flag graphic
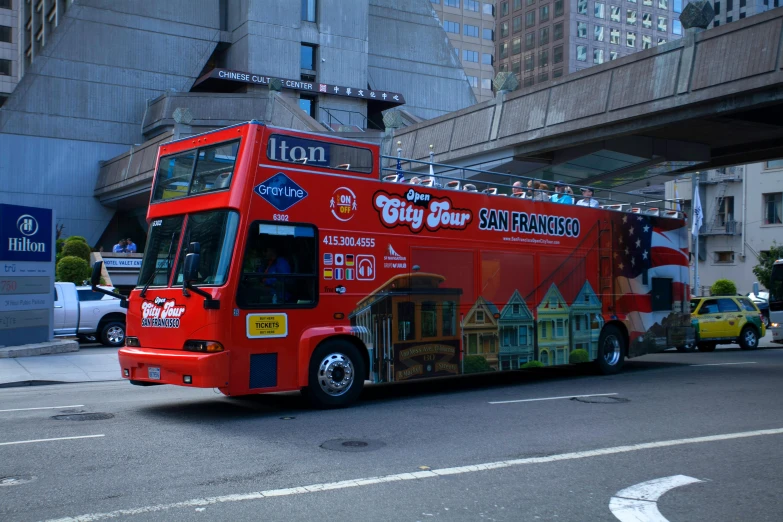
[{"x": 647, "y": 247}]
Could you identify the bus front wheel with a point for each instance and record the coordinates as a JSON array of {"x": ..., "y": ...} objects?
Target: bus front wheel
[
  {"x": 611, "y": 350},
  {"x": 336, "y": 375}
]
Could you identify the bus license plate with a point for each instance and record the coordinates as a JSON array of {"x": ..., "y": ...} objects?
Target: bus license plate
[{"x": 153, "y": 373}]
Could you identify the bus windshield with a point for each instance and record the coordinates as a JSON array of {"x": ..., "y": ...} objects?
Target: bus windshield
[
  {"x": 776, "y": 288},
  {"x": 194, "y": 172}
]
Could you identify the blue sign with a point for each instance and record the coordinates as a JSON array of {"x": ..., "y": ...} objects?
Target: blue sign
[
  {"x": 25, "y": 233},
  {"x": 281, "y": 192}
]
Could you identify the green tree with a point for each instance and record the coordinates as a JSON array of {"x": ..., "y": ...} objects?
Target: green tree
[
  {"x": 763, "y": 270},
  {"x": 76, "y": 238},
  {"x": 723, "y": 287},
  {"x": 72, "y": 269},
  {"x": 579, "y": 356},
  {"x": 78, "y": 249},
  {"x": 476, "y": 364}
]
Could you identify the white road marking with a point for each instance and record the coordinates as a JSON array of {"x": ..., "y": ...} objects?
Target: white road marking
[
  {"x": 258, "y": 495},
  {"x": 639, "y": 503},
  {"x": 555, "y": 398},
  {"x": 45, "y": 408},
  {"x": 49, "y": 440},
  {"x": 725, "y": 364}
]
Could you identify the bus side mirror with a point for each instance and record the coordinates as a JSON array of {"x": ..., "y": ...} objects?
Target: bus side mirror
[
  {"x": 190, "y": 270},
  {"x": 95, "y": 278}
]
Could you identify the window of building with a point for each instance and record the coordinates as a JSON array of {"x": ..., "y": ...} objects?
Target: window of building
[
  {"x": 661, "y": 41},
  {"x": 646, "y": 41},
  {"x": 530, "y": 62},
  {"x": 716, "y": 8},
  {"x": 742, "y": 15},
  {"x": 308, "y": 10},
  {"x": 503, "y": 50},
  {"x": 647, "y": 2},
  {"x": 294, "y": 284},
  {"x": 630, "y": 17},
  {"x": 544, "y": 76},
  {"x": 543, "y": 13},
  {"x": 530, "y": 19},
  {"x": 504, "y": 9},
  {"x": 663, "y": 4},
  {"x": 614, "y": 36},
  {"x": 558, "y": 8},
  {"x": 614, "y": 13},
  {"x": 503, "y": 29},
  {"x": 677, "y": 26},
  {"x": 473, "y": 81},
  {"x": 630, "y": 39},
  {"x": 472, "y": 5},
  {"x": 517, "y": 4},
  {"x": 742, "y": 4},
  {"x": 581, "y": 29},
  {"x": 725, "y": 210},
  {"x": 715, "y": 23},
  {"x": 724, "y": 257},
  {"x": 598, "y": 56},
  {"x": 677, "y": 6},
  {"x": 557, "y": 54},
  {"x": 529, "y": 2},
  {"x": 503, "y": 67},
  {"x": 647, "y": 20},
  {"x": 530, "y": 41},
  {"x": 451, "y": 3},
  {"x": 307, "y": 57},
  {"x": 451, "y": 27},
  {"x": 663, "y": 24},
  {"x": 486, "y": 83},
  {"x": 558, "y": 31},
  {"x": 487, "y": 59},
  {"x": 516, "y": 26},
  {"x": 775, "y": 164},
  {"x": 557, "y": 73},
  {"x": 598, "y": 10},
  {"x": 631, "y": 1},
  {"x": 5, "y": 4},
  {"x": 772, "y": 208},
  {"x": 516, "y": 68},
  {"x": 5, "y": 34},
  {"x": 308, "y": 104},
  {"x": 543, "y": 35},
  {"x": 516, "y": 46},
  {"x": 729, "y": 19},
  {"x": 489, "y": 9},
  {"x": 613, "y": 55},
  {"x": 543, "y": 58},
  {"x": 581, "y": 7},
  {"x": 598, "y": 33},
  {"x": 488, "y": 34},
  {"x": 471, "y": 30},
  {"x": 581, "y": 53},
  {"x": 729, "y": 6},
  {"x": 528, "y": 81},
  {"x": 470, "y": 56}
]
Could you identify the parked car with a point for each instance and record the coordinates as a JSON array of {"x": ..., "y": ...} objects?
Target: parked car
[
  {"x": 761, "y": 300},
  {"x": 725, "y": 320},
  {"x": 89, "y": 315}
]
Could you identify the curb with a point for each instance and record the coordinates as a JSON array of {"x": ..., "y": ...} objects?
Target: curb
[{"x": 47, "y": 348}]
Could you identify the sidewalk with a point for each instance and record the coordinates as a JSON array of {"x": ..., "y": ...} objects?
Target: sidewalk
[{"x": 86, "y": 365}]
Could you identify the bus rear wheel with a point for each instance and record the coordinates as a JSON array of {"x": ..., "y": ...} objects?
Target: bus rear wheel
[
  {"x": 611, "y": 350},
  {"x": 336, "y": 376}
]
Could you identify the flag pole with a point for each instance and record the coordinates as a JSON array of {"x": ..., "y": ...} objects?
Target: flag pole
[{"x": 696, "y": 220}]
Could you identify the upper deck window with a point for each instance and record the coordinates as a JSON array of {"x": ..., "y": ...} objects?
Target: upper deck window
[
  {"x": 323, "y": 154},
  {"x": 196, "y": 171}
]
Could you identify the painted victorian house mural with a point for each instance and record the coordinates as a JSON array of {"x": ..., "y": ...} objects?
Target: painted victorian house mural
[
  {"x": 553, "y": 337},
  {"x": 586, "y": 321},
  {"x": 516, "y": 327},
  {"x": 480, "y": 333}
]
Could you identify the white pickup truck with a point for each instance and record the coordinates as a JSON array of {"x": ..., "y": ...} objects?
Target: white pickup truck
[{"x": 90, "y": 315}]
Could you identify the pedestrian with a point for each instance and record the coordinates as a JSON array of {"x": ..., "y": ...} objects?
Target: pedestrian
[
  {"x": 516, "y": 190},
  {"x": 130, "y": 246},
  {"x": 120, "y": 248},
  {"x": 588, "y": 200},
  {"x": 560, "y": 195}
]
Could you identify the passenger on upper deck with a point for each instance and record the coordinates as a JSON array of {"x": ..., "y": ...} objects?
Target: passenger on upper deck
[
  {"x": 588, "y": 200},
  {"x": 516, "y": 189},
  {"x": 560, "y": 196}
]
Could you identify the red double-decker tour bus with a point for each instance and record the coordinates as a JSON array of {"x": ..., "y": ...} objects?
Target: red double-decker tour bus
[{"x": 280, "y": 260}]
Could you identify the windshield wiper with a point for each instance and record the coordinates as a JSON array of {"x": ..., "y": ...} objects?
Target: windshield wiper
[{"x": 174, "y": 235}]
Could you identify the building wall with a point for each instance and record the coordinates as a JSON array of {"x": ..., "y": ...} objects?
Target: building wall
[
  {"x": 474, "y": 14},
  {"x": 593, "y": 32},
  {"x": 9, "y": 51},
  {"x": 721, "y": 253}
]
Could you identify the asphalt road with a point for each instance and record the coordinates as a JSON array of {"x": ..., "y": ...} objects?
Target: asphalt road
[{"x": 442, "y": 450}]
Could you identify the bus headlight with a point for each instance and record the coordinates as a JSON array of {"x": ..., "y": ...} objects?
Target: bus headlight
[{"x": 203, "y": 346}]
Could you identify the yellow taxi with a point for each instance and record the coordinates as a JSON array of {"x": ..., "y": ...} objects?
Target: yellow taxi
[{"x": 726, "y": 320}]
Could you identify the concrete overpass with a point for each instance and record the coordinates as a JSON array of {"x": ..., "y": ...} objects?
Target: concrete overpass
[{"x": 712, "y": 99}]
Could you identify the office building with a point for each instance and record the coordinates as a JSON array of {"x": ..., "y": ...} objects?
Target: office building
[
  {"x": 470, "y": 26},
  {"x": 727, "y": 11},
  {"x": 9, "y": 47}
]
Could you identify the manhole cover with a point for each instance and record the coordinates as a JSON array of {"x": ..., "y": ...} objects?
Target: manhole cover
[
  {"x": 84, "y": 416},
  {"x": 352, "y": 445},
  {"x": 600, "y": 400},
  {"x": 15, "y": 481}
]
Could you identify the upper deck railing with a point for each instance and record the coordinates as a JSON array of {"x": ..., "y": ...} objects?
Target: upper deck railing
[{"x": 487, "y": 182}]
